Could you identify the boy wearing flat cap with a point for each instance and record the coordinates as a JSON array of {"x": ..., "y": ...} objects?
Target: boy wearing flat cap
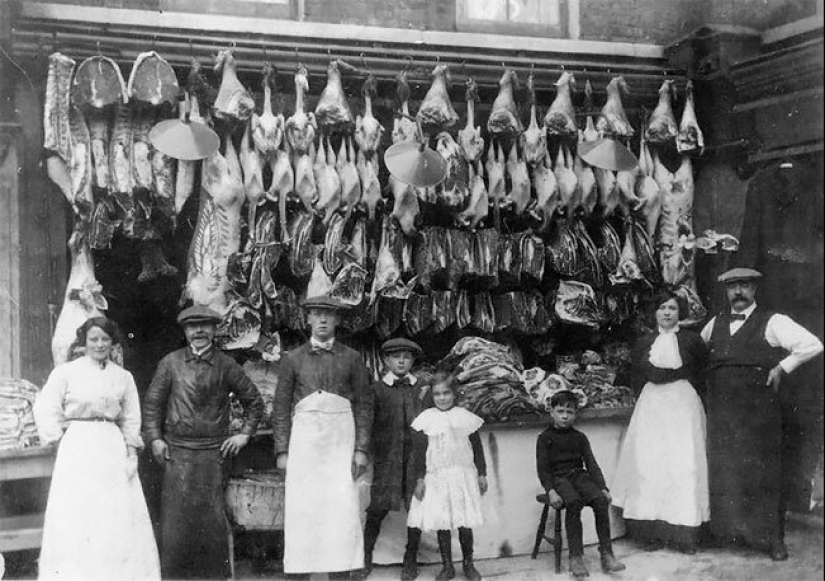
[
  {"x": 186, "y": 423},
  {"x": 399, "y": 397},
  {"x": 321, "y": 419},
  {"x": 750, "y": 351}
]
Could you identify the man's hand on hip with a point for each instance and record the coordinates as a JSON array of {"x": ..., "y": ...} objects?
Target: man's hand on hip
[
  {"x": 234, "y": 444},
  {"x": 359, "y": 464}
]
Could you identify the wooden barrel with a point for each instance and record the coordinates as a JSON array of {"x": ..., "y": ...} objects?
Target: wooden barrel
[{"x": 255, "y": 501}]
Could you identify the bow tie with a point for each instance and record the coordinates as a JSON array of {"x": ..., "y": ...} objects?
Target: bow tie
[
  {"x": 403, "y": 382},
  {"x": 318, "y": 346},
  {"x": 737, "y": 317}
]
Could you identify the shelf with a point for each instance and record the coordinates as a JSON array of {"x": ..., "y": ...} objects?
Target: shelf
[
  {"x": 543, "y": 420},
  {"x": 36, "y": 462},
  {"x": 18, "y": 533}
]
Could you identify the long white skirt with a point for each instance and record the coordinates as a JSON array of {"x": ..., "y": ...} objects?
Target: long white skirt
[
  {"x": 662, "y": 472},
  {"x": 97, "y": 525}
]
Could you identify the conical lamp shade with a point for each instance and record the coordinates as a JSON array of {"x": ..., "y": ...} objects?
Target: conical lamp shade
[
  {"x": 607, "y": 154},
  {"x": 418, "y": 167}
]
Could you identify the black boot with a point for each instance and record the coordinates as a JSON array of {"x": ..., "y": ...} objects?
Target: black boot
[
  {"x": 410, "y": 568},
  {"x": 465, "y": 537},
  {"x": 445, "y": 547},
  {"x": 609, "y": 563},
  {"x": 372, "y": 527}
]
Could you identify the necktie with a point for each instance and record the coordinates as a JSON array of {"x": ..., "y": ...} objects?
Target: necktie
[
  {"x": 737, "y": 317},
  {"x": 318, "y": 346}
]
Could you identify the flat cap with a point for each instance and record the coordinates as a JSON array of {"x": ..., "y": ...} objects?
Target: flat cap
[
  {"x": 736, "y": 274},
  {"x": 198, "y": 314},
  {"x": 324, "y": 302},
  {"x": 400, "y": 344}
]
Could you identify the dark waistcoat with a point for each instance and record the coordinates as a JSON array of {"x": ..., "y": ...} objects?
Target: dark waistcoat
[{"x": 747, "y": 347}]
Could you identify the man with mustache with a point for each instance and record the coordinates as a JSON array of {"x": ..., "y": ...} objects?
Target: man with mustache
[
  {"x": 321, "y": 420},
  {"x": 186, "y": 423},
  {"x": 751, "y": 350}
]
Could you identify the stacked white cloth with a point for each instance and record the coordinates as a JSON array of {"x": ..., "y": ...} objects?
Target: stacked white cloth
[{"x": 17, "y": 427}]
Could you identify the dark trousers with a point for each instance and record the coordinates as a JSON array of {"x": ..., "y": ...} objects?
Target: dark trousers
[
  {"x": 578, "y": 491},
  {"x": 372, "y": 528}
]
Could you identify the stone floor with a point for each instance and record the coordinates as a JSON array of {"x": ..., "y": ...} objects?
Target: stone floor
[{"x": 804, "y": 538}]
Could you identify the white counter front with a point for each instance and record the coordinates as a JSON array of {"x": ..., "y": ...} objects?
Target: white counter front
[{"x": 510, "y": 451}]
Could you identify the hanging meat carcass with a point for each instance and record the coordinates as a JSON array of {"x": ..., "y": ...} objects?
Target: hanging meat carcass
[
  {"x": 80, "y": 170},
  {"x": 320, "y": 284},
  {"x": 609, "y": 247},
  {"x": 370, "y": 186},
  {"x": 387, "y": 271},
  {"x": 185, "y": 178},
  {"x": 436, "y": 112},
  {"x": 519, "y": 193},
  {"x": 535, "y": 137},
  {"x": 504, "y": 118},
  {"x": 217, "y": 232},
  {"x": 153, "y": 81},
  {"x": 121, "y": 178},
  {"x": 588, "y": 189},
  {"x": 662, "y": 127},
  {"x": 589, "y": 132},
  {"x": 334, "y": 248},
  {"x": 328, "y": 181},
  {"x": 97, "y": 85},
  {"x": 452, "y": 193},
  {"x": 253, "y": 177},
  {"x": 567, "y": 180},
  {"x": 282, "y": 186},
  {"x": 332, "y": 113},
  {"x": 56, "y": 131},
  {"x": 478, "y": 206},
  {"x": 472, "y": 144},
  {"x": 562, "y": 249},
  {"x": 301, "y": 249},
  {"x": 690, "y": 136},
  {"x": 404, "y": 128},
  {"x": 83, "y": 299},
  {"x": 613, "y": 122},
  {"x": 368, "y": 131},
  {"x": 648, "y": 191},
  {"x": 576, "y": 304},
  {"x": 548, "y": 196},
  {"x": 348, "y": 286},
  {"x": 306, "y": 187},
  {"x": 300, "y": 127},
  {"x": 608, "y": 190},
  {"x": 267, "y": 128},
  {"x": 233, "y": 101},
  {"x": 405, "y": 207},
  {"x": 496, "y": 187},
  {"x": 676, "y": 238},
  {"x": 348, "y": 174},
  {"x": 560, "y": 119}
]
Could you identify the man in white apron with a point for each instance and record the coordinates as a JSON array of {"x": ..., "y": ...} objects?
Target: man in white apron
[{"x": 322, "y": 419}]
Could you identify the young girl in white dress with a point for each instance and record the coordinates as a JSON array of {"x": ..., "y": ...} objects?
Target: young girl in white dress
[{"x": 452, "y": 475}]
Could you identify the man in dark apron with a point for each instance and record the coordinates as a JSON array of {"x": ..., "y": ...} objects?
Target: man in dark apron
[
  {"x": 186, "y": 422},
  {"x": 322, "y": 419},
  {"x": 751, "y": 350}
]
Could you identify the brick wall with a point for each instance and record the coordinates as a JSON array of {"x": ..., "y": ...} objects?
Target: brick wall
[
  {"x": 418, "y": 14},
  {"x": 654, "y": 21}
]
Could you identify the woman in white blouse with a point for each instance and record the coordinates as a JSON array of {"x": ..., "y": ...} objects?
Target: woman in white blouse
[
  {"x": 661, "y": 479},
  {"x": 97, "y": 525}
]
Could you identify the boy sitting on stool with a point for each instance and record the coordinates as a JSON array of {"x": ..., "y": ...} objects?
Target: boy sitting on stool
[{"x": 572, "y": 478}]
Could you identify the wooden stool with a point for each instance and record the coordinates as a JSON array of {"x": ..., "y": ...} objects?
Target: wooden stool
[{"x": 555, "y": 542}]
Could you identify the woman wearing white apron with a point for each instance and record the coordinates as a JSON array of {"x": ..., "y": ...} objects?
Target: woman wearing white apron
[{"x": 322, "y": 446}]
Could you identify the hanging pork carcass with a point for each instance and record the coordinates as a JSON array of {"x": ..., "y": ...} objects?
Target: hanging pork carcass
[
  {"x": 233, "y": 103},
  {"x": 332, "y": 113},
  {"x": 301, "y": 126},
  {"x": 504, "y": 118},
  {"x": 662, "y": 128},
  {"x": 560, "y": 119},
  {"x": 217, "y": 231},
  {"x": 690, "y": 136},
  {"x": 613, "y": 122},
  {"x": 436, "y": 112},
  {"x": 368, "y": 130},
  {"x": 185, "y": 178}
]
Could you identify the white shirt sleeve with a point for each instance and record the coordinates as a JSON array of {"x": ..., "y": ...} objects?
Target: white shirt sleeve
[
  {"x": 707, "y": 331},
  {"x": 129, "y": 421},
  {"x": 782, "y": 331},
  {"x": 48, "y": 408}
]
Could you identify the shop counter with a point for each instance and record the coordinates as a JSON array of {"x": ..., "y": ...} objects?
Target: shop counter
[
  {"x": 510, "y": 502},
  {"x": 24, "y": 531}
]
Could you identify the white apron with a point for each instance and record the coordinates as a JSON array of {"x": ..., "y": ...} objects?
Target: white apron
[{"x": 322, "y": 523}]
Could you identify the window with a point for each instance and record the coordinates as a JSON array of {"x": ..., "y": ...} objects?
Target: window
[{"x": 530, "y": 17}]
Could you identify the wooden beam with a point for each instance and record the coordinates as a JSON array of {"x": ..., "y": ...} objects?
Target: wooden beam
[
  {"x": 786, "y": 152},
  {"x": 770, "y": 101}
]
